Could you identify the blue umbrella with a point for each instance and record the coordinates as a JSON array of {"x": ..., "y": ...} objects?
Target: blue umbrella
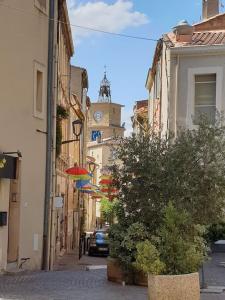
[{"x": 80, "y": 183}]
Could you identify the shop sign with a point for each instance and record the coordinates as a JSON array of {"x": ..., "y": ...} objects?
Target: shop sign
[{"x": 7, "y": 166}]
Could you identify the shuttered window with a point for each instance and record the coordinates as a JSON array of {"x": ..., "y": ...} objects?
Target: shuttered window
[{"x": 205, "y": 97}]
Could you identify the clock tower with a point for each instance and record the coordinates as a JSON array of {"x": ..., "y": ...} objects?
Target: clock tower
[{"x": 104, "y": 115}]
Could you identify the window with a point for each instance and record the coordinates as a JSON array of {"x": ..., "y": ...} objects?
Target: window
[
  {"x": 205, "y": 97},
  {"x": 41, "y": 5},
  {"x": 39, "y": 90}
]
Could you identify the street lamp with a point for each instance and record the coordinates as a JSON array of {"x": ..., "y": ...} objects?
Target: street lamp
[{"x": 77, "y": 130}]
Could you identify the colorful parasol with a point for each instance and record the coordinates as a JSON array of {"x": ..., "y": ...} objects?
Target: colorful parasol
[
  {"x": 109, "y": 190},
  {"x": 107, "y": 177},
  {"x": 80, "y": 177},
  {"x": 80, "y": 183},
  {"x": 106, "y": 182},
  {"x": 76, "y": 171},
  {"x": 87, "y": 191}
]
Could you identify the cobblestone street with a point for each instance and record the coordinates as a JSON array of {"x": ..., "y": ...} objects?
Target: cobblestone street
[
  {"x": 72, "y": 282},
  {"x": 66, "y": 285},
  {"x": 75, "y": 283},
  {"x": 71, "y": 285}
]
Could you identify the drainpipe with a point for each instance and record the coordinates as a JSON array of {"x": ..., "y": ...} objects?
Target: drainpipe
[{"x": 48, "y": 172}]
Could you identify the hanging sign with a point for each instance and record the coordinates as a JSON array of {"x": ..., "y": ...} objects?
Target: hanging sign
[
  {"x": 58, "y": 202},
  {"x": 7, "y": 166}
]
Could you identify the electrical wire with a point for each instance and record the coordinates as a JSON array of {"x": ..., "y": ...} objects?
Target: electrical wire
[{"x": 82, "y": 27}]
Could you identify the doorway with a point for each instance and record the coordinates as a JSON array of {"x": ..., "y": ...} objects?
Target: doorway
[{"x": 14, "y": 218}]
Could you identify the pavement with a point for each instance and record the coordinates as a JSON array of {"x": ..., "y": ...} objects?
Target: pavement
[
  {"x": 214, "y": 274},
  {"x": 66, "y": 285},
  {"x": 72, "y": 281}
]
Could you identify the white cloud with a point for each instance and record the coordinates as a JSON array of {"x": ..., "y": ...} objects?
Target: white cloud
[
  {"x": 99, "y": 15},
  {"x": 126, "y": 117}
]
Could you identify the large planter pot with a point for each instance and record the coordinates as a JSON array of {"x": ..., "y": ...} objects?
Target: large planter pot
[
  {"x": 115, "y": 272},
  {"x": 169, "y": 287},
  {"x": 140, "y": 279}
]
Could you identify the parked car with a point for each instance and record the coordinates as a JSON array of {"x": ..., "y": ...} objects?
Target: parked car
[{"x": 99, "y": 244}]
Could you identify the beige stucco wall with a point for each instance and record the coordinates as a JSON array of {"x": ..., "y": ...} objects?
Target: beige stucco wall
[
  {"x": 177, "y": 94},
  {"x": 24, "y": 40},
  {"x": 193, "y": 62}
]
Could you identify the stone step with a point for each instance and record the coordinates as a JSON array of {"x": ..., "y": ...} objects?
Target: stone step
[{"x": 99, "y": 267}]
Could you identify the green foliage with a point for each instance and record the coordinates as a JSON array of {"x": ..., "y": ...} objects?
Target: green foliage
[
  {"x": 190, "y": 169},
  {"x": 108, "y": 210},
  {"x": 148, "y": 259},
  {"x": 182, "y": 247},
  {"x": 215, "y": 232},
  {"x": 123, "y": 242},
  {"x": 179, "y": 249},
  {"x": 62, "y": 114}
]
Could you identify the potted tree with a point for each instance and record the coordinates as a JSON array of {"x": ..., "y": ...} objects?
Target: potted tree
[
  {"x": 188, "y": 169},
  {"x": 172, "y": 260},
  {"x": 123, "y": 242}
]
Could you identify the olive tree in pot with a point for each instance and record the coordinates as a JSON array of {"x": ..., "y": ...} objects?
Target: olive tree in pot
[
  {"x": 172, "y": 260},
  {"x": 190, "y": 171},
  {"x": 123, "y": 242}
]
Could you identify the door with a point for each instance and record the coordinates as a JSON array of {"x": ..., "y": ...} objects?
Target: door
[{"x": 14, "y": 217}]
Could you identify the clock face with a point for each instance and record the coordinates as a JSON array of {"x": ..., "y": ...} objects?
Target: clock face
[{"x": 98, "y": 116}]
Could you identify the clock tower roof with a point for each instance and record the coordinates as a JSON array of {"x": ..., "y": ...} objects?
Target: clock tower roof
[{"x": 105, "y": 90}]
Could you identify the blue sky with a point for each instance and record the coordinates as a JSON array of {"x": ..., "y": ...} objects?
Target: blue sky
[{"x": 127, "y": 60}]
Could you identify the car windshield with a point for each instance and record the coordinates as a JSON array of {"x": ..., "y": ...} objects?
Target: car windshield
[{"x": 101, "y": 235}]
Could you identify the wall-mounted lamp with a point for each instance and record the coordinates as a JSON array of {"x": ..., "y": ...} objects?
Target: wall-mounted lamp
[{"x": 77, "y": 130}]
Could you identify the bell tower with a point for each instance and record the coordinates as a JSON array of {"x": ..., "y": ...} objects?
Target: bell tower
[
  {"x": 105, "y": 90},
  {"x": 105, "y": 115}
]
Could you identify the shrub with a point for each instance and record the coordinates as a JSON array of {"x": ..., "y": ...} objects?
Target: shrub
[
  {"x": 148, "y": 259},
  {"x": 179, "y": 249},
  {"x": 123, "y": 243},
  {"x": 182, "y": 247},
  {"x": 215, "y": 232},
  {"x": 190, "y": 169},
  {"x": 108, "y": 210}
]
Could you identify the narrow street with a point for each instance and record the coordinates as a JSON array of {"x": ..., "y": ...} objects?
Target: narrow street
[{"x": 74, "y": 282}]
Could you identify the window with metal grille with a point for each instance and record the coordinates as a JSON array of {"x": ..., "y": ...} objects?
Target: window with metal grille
[{"x": 205, "y": 97}]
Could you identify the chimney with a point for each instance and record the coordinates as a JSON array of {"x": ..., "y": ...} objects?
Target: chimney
[
  {"x": 183, "y": 32},
  {"x": 210, "y": 8}
]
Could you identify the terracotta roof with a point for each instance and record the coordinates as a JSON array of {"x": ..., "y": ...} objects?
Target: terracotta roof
[
  {"x": 205, "y": 38},
  {"x": 208, "y": 38}
]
